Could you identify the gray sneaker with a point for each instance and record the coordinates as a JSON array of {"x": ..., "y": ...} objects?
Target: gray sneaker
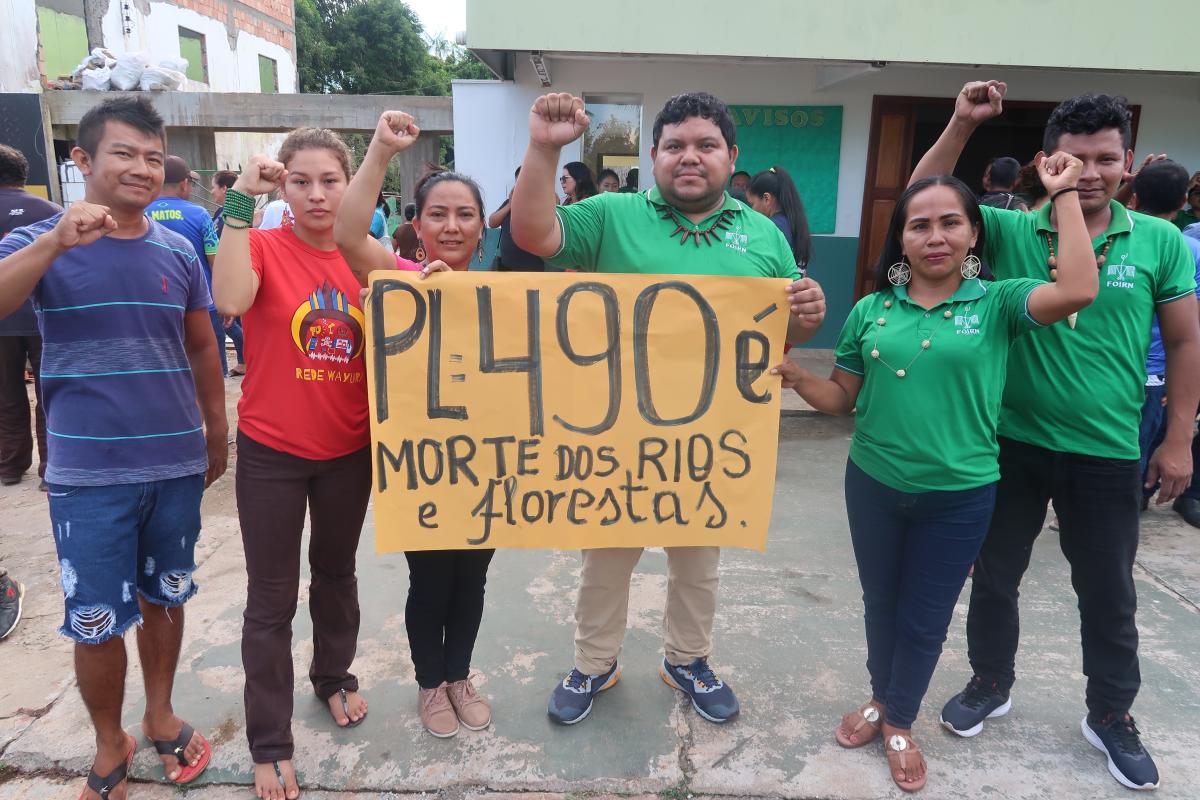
[{"x": 12, "y": 594}]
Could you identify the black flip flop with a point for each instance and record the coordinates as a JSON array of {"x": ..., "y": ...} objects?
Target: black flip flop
[
  {"x": 282, "y": 782},
  {"x": 177, "y": 746},
  {"x": 350, "y": 723},
  {"x": 104, "y": 784}
]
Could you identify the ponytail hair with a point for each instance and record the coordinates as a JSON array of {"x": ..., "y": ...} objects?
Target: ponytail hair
[{"x": 779, "y": 184}]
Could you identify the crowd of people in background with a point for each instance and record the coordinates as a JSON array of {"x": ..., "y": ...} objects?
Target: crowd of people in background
[{"x": 1020, "y": 277}]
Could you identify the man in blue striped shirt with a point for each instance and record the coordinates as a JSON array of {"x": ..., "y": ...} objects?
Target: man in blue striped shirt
[{"x": 135, "y": 409}]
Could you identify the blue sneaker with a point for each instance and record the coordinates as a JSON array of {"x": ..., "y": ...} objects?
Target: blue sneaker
[
  {"x": 1117, "y": 737},
  {"x": 711, "y": 698},
  {"x": 571, "y": 700}
]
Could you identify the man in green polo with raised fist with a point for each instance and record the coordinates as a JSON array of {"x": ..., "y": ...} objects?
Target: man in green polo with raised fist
[{"x": 684, "y": 224}]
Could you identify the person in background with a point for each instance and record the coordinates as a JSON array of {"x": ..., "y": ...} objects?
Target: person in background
[
  {"x": 379, "y": 220},
  {"x": 1190, "y": 213},
  {"x": 1006, "y": 200},
  {"x": 20, "y": 341},
  {"x": 773, "y": 194},
  {"x": 222, "y": 180},
  {"x": 1030, "y": 188},
  {"x": 631, "y": 181},
  {"x": 404, "y": 238},
  {"x": 740, "y": 180},
  {"x": 608, "y": 181},
  {"x": 1001, "y": 175},
  {"x": 576, "y": 181},
  {"x": 445, "y": 587},
  {"x": 303, "y": 444},
  {"x": 1157, "y": 190},
  {"x": 174, "y": 211},
  {"x": 274, "y": 214},
  {"x": 511, "y": 257}
]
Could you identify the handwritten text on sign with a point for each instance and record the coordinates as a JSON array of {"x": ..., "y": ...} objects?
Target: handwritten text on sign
[{"x": 562, "y": 411}]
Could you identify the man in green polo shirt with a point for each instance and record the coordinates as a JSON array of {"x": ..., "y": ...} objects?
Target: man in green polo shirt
[
  {"x": 685, "y": 224},
  {"x": 1069, "y": 421}
]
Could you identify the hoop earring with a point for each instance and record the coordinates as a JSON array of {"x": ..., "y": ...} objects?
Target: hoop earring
[
  {"x": 971, "y": 267},
  {"x": 899, "y": 274},
  {"x": 420, "y": 254}
]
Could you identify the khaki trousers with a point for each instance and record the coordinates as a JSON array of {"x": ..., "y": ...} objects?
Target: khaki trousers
[{"x": 602, "y": 610}]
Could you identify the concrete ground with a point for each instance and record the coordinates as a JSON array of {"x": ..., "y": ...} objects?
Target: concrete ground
[{"x": 789, "y": 639}]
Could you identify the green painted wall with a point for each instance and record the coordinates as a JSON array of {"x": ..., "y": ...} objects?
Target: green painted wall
[
  {"x": 1101, "y": 34},
  {"x": 64, "y": 41},
  {"x": 832, "y": 266}
]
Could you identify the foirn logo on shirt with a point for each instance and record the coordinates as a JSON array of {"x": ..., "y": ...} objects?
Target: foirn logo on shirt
[
  {"x": 736, "y": 240},
  {"x": 1121, "y": 276},
  {"x": 966, "y": 323}
]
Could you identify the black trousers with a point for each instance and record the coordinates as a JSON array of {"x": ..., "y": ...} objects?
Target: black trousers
[
  {"x": 444, "y": 609},
  {"x": 16, "y": 434},
  {"x": 1097, "y": 502}
]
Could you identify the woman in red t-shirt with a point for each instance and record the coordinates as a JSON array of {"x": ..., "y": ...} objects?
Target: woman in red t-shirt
[
  {"x": 303, "y": 441},
  {"x": 445, "y": 587}
]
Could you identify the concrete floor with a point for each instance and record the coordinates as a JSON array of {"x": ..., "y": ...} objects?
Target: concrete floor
[{"x": 789, "y": 639}]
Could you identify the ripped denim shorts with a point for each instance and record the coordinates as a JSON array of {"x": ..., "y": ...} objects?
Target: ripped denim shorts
[{"x": 116, "y": 542}]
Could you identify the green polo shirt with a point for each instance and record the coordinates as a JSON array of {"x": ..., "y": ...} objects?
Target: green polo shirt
[
  {"x": 614, "y": 232},
  {"x": 935, "y": 428},
  {"x": 1081, "y": 390}
]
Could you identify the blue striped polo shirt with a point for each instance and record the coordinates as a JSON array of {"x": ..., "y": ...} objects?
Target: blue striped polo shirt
[{"x": 116, "y": 384}]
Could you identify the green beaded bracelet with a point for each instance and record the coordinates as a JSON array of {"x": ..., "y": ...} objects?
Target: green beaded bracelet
[{"x": 238, "y": 206}]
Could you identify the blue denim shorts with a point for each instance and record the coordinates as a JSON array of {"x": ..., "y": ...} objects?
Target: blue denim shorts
[{"x": 114, "y": 539}]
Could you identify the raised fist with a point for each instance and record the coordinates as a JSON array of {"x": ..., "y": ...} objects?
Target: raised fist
[
  {"x": 83, "y": 223},
  {"x": 979, "y": 101},
  {"x": 556, "y": 120},
  {"x": 396, "y": 131},
  {"x": 261, "y": 175},
  {"x": 1059, "y": 171}
]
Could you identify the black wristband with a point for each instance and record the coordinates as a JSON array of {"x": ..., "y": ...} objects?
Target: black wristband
[{"x": 1054, "y": 196}]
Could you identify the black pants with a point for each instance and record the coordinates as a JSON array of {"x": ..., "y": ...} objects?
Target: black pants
[
  {"x": 444, "y": 609},
  {"x": 16, "y": 437},
  {"x": 274, "y": 490},
  {"x": 1097, "y": 502}
]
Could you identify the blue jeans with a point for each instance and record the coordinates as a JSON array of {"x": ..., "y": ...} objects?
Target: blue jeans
[
  {"x": 234, "y": 332},
  {"x": 219, "y": 329},
  {"x": 1152, "y": 430},
  {"x": 913, "y": 553},
  {"x": 114, "y": 539}
]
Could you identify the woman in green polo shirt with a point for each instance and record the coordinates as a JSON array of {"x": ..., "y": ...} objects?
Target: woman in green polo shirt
[{"x": 923, "y": 361}]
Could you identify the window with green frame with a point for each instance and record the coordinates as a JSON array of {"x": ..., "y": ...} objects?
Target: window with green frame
[
  {"x": 191, "y": 47},
  {"x": 268, "y": 75}
]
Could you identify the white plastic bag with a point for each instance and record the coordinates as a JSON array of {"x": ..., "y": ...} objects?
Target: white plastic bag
[
  {"x": 128, "y": 71},
  {"x": 158, "y": 79},
  {"x": 97, "y": 79},
  {"x": 175, "y": 64}
]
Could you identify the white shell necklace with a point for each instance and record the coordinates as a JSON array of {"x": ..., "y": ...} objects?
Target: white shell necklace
[{"x": 925, "y": 343}]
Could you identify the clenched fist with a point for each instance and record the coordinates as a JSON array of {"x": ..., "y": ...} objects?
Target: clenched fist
[
  {"x": 556, "y": 120},
  {"x": 396, "y": 131},
  {"x": 82, "y": 224},
  {"x": 1059, "y": 171},
  {"x": 261, "y": 175},
  {"x": 979, "y": 101}
]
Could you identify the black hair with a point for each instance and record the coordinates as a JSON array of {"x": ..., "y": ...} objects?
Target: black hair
[
  {"x": 1088, "y": 113},
  {"x": 382, "y": 205},
  {"x": 410, "y": 211},
  {"x": 631, "y": 178},
  {"x": 517, "y": 174},
  {"x": 225, "y": 178},
  {"x": 607, "y": 173},
  {"x": 696, "y": 104},
  {"x": 1006, "y": 200},
  {"x": 14, "y": 167},
  {"x": 779, "y": 184},
  {"x": 136, "y": 111},
  {"x": 582, "y": 175},
  {"x": 739, "y": 172},
  {"x": 438, "y": 176},
  {"x": 1161, "y": 187},
  {"x": 893, "y": 251},
  {"x": 1029, "y": 184},
  {"x": 1004, "y": 171}
]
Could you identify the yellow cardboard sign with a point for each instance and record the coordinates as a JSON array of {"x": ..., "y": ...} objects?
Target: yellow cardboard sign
[{"x": 570, "y": 411}]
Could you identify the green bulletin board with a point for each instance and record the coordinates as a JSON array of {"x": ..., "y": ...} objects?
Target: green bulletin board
[{"x": 804, "y": 140}]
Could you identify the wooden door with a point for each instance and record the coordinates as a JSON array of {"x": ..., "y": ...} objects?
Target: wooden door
[{"x": 889, "y": 159}]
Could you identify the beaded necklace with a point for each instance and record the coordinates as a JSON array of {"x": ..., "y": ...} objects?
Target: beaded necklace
[
  {"x": 925, "y": 343},
  {"x": 1052, "y": 263}
]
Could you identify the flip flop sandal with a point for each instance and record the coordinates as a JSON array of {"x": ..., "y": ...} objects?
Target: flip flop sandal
[
  {"x": 177, "y": 747},
  {"x": 279, "y": 777},
  {"x": 868, "y": 716},
  {"x": 103, "y": 784},
  {"x": 901, "y": 751},
  {"x": 350, "y": 723}
]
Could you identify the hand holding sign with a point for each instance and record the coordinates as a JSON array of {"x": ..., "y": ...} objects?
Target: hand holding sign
[
  {"x": 806, "y": 300},
  {"x": 556, "y": 120}
]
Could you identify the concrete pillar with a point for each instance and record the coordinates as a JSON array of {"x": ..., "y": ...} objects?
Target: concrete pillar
[
  {"x": 413, "y": 161},
  {"x": 197, "y": 146}
]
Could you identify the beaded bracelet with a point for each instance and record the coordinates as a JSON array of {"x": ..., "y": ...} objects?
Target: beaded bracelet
[
  {"x": 241, "y": 226},
  {"x": 238, "y": 206}
]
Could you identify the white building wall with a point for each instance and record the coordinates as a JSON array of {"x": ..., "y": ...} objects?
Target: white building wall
[
  {"x": 231, "y": 67},
  {"x": 18, "y": 47},
  {"x": 491, "y": 118}
]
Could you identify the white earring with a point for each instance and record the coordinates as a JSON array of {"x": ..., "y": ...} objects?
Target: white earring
[
  {"x": 899, "y": 273},
  {"x": 971, "y": 267}
]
